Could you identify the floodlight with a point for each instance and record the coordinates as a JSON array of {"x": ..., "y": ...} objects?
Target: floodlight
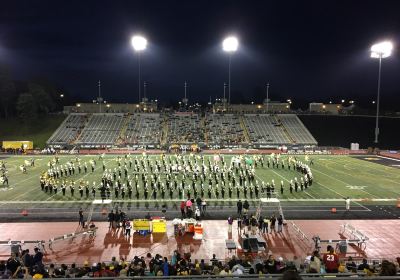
[
  {"x": 230, "y": 44},
  {"x": 382, "y": 50},
  {"x": 139, "y": 43}
]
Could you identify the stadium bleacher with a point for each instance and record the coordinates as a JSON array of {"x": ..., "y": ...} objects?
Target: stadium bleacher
[
  {"x": 286, "y": 129},
  {"x": 69, "y": 129},
  {"x": 143, "y": 129},
  {"x": 265, "y": 129},
  {"x": 181, "y": 128},
  {"x": 296, "y": 129},
  {"x": 224, "y": 129},
  {"x": 102, "y": 129},
  {"x": 185, "y": 129}
]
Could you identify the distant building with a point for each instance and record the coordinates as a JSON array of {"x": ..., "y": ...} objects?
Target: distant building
[
  {"x": 111, "y": 108},
  {"x": 333, "y": 109},
  {"x": 271, "y": 107}
]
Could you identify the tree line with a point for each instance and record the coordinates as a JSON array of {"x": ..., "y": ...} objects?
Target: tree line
[{"x": 27, "y": 99}]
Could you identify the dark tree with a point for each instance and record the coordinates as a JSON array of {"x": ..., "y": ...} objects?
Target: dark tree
[
  {"x": 26, "y": 106},
  {"x": 7, "y": 92},
  {"x": 44, "y": 102}
]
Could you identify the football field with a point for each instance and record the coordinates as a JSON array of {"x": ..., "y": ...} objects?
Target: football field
[{"x": 368, "y": 180}]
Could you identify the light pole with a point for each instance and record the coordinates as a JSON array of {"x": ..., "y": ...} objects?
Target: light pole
[
  {"x": 380, "y": 50},
  {"x": 185, "y": 100},
  {"x": 230, "y": 45},
  {"x": 267, "y": 96},
  {"x": 144, "y": 91},
  {"x": 224, "y": 99},
  {"x": 139, "y": 44},
  {"x": 99, "y": 98}
]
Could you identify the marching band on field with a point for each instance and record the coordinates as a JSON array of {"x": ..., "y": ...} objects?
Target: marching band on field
[{"x": 173, "y": 176}]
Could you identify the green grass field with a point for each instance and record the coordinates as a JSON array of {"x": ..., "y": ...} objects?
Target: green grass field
[
  {"x": 38, "y": 131},
  {"x": 335, "y": 177}
]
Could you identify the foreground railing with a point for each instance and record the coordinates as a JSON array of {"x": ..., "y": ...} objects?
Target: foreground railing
[{"x": 342, "y": 276}]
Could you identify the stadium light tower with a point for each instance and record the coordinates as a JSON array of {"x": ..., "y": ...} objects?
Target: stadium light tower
[
  {"x": 139, "y": 44},
  {"x": 230, "y": 45},
  {"x": 379, "y": 51}
]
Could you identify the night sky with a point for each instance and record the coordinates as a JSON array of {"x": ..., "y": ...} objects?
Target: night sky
[{"x": 306, "y": 50}]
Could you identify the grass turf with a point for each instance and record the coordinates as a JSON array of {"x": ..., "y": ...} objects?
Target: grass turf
[
  {"x": 335, "y": 177},
  {"x": 38, "y": 131}
]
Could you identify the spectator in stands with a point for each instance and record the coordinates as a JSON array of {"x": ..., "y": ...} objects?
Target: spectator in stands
[
  {"x": 388, "y": 269},
  {"x": 26, "y": 258},
  {"x": 38, "y": 257},
  {"x": 2, "y": 267},
  {"x": 258, "y": 266},
  {"x": 165, "y": 267},
  {"x": 73, "y": 271},
  {"x": 13, "y": 263},
  {"x": 331, "y": 260},
  {"x": 291, "y": 275},
  {"x": 280, "y": 265},
  {"x": 315, "y": 263},
  {"x": 363, "y": 265},
  {"x": 174, "y": 258},
  {"x": 270, "y": 265},
  {"x": 342, "y": 267},
  {"x": 232, "y": 262},
  {"x": 214, "y": 260},
  {"x": 350, "y": 264}
]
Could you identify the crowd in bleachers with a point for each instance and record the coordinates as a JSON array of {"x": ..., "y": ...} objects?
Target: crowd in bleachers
[
  {"x": 30, "y": 266},
  {"x": 143, "y": 129},
  {"x": 224, "y": 129},
  {"x": 185, "y": 129}
]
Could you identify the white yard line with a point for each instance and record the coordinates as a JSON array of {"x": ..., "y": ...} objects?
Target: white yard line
[
  {"x": 289, "y": 182},
  {"x": 210, "y": 200},
  {"x": 383, "y": 177},
  {"x": 345, "y": 183}
]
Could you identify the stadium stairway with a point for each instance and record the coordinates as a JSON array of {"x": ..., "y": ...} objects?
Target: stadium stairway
[
  {"x": 81, "y": 131},
  {"x": 60, "y": 127},
  {"x": 245, "y": 131},
  {"x": 203, "y": 125},
  {"x": 122, "y": 133},
  {"x": 164, "y": 136},
  {"x": 282, "y": 126}
]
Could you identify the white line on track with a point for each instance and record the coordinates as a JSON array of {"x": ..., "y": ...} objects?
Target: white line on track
[
  {"x": 342, "y": 195},
  {"x": 389, "y": 158}
]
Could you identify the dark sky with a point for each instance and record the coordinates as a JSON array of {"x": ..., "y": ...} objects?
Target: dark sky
[{"x": 306, "y": 50}]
